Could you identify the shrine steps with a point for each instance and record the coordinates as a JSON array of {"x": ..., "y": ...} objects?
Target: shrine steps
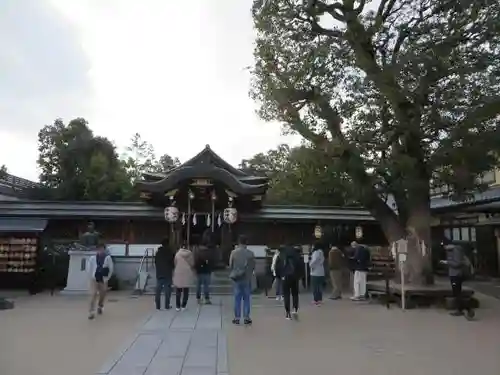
[{"x": 220, "y": 284}]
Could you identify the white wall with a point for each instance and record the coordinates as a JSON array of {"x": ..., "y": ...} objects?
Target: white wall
[{"x": 136, "y": 250}]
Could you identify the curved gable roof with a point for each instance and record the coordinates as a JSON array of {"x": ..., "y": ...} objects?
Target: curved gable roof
[{"x": 206, "y": 164}]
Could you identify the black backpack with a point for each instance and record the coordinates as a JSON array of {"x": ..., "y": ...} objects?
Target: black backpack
[{"x": 288, "y": 268}]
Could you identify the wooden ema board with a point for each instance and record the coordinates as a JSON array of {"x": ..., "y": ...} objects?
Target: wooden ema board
[{"x": 18, "y": 254}]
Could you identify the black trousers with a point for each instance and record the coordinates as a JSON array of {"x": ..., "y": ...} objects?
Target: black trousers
[
  {"x": 456, "y": 289},
  {"x": 184, "y": 293},
  {"x": 291, "y": 287}
]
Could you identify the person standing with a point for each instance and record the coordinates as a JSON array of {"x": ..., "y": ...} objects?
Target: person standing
[
  {"x": 164, "y": 264},
  {"x": 278, "y": 282},
  {"x": 242, "y": 265},
  {"x": 459, "y": 268},
  {"x": 100, "y": 269},
  {"x": 289, "y": 269},
  {"x": 317, "y": 265},
  {"x": 183, "y": 276},
  {"x": 361, "y": 265},
  {"x": 336, "y": 267},
  {"x": 204, "y": 265}
]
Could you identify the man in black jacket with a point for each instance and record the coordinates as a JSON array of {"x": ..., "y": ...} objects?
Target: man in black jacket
[
  {"x": 289, "y": 268},
  {"x": 361, "y": 264},
  {"x": 164, "y": 262},
  {"x": 204, "y": 265}
]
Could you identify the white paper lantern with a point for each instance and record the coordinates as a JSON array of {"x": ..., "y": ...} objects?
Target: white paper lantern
[
  {"x": 171, "y": 214},
  {"x": 230, "y": 215},
  {"x": 318, "y": 232},
  {"x": 358, "y": 232}
]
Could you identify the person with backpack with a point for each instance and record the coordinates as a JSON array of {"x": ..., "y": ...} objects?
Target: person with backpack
[
  {"x": 164, "y": 264},
  {"x": 242, "y": 265},
  {"x": 317, "y": 265},
  {"x": 204, "y": 265},
  {"x": 459, "y": 269},
  {"x": 289, "y": 270},
  {"x": 100, "y": 269},
  {"x": 361, "y": 263}
]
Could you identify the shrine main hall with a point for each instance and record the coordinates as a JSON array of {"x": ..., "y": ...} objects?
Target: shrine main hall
[{"x": 207, "y": 194}]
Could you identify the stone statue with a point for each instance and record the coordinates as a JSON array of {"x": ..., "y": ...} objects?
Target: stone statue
[{"x": 90, "y": 239}]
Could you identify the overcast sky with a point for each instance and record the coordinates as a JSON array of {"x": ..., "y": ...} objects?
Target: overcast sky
[{"x": 174, "y": 71}]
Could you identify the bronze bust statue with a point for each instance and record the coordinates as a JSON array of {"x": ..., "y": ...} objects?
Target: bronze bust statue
[{"x": 90, "y": 239}]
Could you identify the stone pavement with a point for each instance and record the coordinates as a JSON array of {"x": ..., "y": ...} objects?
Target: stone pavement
[
  {"x": 51, "y": 335},
  {"x": 190, "y": 342},
  {"x": 349, "y": 338}
]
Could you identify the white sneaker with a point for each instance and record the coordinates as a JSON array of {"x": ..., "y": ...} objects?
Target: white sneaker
[
  {"x": 354, "y": 298},
  {"x": 282, "y": 298},
  {"x": 177, "y": 309},
  {"x": 278, "y": 298},
  {"x": 184, "y": 309}
]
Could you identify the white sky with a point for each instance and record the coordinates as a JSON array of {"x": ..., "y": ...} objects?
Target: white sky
[{"x": 174, "y": 71}]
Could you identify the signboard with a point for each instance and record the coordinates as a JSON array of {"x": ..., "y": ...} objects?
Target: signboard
[{"x": 202, "y": 182}]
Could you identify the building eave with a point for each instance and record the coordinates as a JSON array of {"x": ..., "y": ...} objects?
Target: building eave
[{"x": 135, "y": 210}]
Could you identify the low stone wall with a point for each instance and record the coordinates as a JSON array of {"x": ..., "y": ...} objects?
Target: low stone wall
[{"x": 126, "y": 269}]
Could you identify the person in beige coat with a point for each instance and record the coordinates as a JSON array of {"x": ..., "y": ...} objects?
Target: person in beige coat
[{"x": 183, "y": 276}]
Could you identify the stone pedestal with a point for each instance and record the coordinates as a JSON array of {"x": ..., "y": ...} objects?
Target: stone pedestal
[{"x": 78, "y": 278}]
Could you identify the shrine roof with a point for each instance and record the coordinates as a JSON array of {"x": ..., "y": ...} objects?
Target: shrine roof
[
  {"x": 119, "y": 210},
  {"x": 206, "y": 164}
]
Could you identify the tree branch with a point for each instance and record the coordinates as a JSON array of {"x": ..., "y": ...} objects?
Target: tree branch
[{"x": 485, "y": 112}]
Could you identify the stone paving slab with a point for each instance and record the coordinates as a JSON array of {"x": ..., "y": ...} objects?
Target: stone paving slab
[
  {"x": 352, "y": 338},
  {"x": 189, "y": 342}
]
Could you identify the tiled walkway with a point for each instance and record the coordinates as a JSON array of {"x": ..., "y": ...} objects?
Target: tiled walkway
[{"x": 190, "y": 342}]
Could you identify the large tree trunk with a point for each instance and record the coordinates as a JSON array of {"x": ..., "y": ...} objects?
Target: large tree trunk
[{"x": 418, "y": 266}]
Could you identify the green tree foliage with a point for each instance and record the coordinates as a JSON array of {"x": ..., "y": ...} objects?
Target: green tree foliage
[
  {"x": 165, "y": 163},
  {"x": 3, "y": 171},
  {"x": 140, "y": 158},
  {"x": 301, "y": 176},
  {"x": 403, "y": 94},
  {"x": 77, "y": 165}
]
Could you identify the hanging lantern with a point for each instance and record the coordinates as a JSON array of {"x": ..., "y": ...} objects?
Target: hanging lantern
[
  {"x": 230, "y": 215},
  {"x": 318, "y": 232},
  {"x": 171, "y": 214},
  {"x": 358, "y": 232}
]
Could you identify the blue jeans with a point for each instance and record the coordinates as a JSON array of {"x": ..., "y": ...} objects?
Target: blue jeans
[
  {"x": 317, "y": 287},
  {"x": 242, "y": 291},
  {"x": 165, "y": 284},
  {"x": 203, "y": 282}
]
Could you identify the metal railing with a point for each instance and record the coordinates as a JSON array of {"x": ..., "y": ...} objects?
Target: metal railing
[{"x": 146, "y": 261}]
